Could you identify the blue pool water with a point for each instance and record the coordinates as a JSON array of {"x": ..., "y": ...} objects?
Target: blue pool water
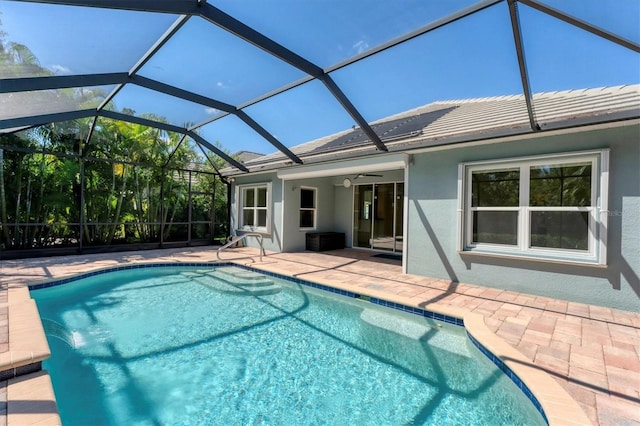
[{"x": 193, "y": 346}]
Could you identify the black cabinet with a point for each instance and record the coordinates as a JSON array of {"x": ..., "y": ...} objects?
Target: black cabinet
[{"x": 322, "y": 241}]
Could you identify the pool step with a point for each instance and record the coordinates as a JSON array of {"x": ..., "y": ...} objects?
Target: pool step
[
  {"x": 236, "y": 281},
  {"x": 227, "y": 287},
  {"x": 242, "y": 281},
  {"x": 236, "y": 272},
  {"x": 417, "y": 330},
  {"x": 242, "y": 277}
]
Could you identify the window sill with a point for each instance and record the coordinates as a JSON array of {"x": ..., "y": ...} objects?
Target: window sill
[{"x": 571, "y": 262}]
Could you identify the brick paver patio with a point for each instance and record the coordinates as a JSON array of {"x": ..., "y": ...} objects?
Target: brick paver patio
[{"x": 592, "y": 352}]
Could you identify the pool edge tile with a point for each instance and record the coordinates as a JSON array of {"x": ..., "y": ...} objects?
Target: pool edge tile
[
  {"x": 42, "y": 284},
  {"x": 31, "y": 401},
  {"x": 461, "y": 317},
  {"x": 27, "y": 341},
  {"x": 547, "y": 396},
  {"x": 558, "y": 406}
]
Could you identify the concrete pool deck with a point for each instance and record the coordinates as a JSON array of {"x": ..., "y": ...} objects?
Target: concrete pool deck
[{"x": 588, "y": 352}]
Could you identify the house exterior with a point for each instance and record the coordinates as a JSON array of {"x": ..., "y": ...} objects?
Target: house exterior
[{"x": 468, "y": 192}]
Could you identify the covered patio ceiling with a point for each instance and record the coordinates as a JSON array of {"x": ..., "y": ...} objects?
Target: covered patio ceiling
[{"x": 262, "y": 76}]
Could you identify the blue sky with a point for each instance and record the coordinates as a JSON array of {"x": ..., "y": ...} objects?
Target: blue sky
[{"x": 473, "y": 57}]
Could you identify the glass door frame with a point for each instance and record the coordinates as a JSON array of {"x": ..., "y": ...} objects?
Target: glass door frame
[{"x": 397, "y": 246}]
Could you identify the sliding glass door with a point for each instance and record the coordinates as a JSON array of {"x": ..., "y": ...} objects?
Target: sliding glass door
[
  {"x": 377, "y": 219},
  {"x": 362, "y": 210}
]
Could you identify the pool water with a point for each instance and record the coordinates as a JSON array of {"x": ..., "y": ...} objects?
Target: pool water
[{"x": 188, "y": 346}]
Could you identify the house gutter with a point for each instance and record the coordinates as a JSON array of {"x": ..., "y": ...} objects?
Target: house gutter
[
  {"x": 417, "y": 145},
  {"x": 525, "y": 136},
  {"x": 345, "y": 167}
]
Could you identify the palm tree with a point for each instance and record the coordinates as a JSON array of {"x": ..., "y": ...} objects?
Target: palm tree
[{"x": 44, "y": 186}]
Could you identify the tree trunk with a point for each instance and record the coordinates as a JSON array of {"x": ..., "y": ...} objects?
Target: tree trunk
[
  {"x": 88, "y": 235},
  {"x": 139, "y": 212},
  {"x": 116, "y": 217},
  {"x": 149, "y": 206},
  {"x": 16, "y": 230},
  {"x": 3, "y": 204},
  {"x": 173, "y": 214},
  {"x": 165, "y": 209},
  {"x": 39, "y": 215},
  {"x": 25, "y": 234}
]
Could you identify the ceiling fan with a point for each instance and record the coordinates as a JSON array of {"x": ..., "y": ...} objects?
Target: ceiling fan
[
  {"x": 359, "y": 175},
  {"x": 347, "y": 182}
]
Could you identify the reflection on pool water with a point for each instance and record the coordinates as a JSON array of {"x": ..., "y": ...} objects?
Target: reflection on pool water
[{"x": 194, "y": 346}]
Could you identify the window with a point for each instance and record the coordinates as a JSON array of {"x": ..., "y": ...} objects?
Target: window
[
  {"x": 551, "y": 207},
  {"x": 307, "y": 208},
  {"x": 254, "y": 207}
]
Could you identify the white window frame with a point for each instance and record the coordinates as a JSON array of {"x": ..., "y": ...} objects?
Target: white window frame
[
  {"x": 240, "y": 190},
  {"x": 314, "y": 209},
  {"x": 598, "y": 210}
]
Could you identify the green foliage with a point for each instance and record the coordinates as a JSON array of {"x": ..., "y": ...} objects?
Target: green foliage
[
  {"x": 496, "y": 188},
  {"x": 141, "y": 184},
  {"x": 136, "y": 188},
  {"x": 561, "y": 186}
]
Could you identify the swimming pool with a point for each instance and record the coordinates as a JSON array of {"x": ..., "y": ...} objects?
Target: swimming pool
[{"x": 191, "y": 345}]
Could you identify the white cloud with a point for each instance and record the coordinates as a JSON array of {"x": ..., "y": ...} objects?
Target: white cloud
[
  {"x": 60, "y": 69},
  {"x": 361, "y": 46},
  {"x": 211, "y": 111}
]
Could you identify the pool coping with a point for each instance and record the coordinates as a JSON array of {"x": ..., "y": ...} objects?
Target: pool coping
[
  {"x": 28, "y": 345},
  {"x": 30, "y": 397},
  {"x": 558, "y": 407},
  {"x": 552, "y": 401}
]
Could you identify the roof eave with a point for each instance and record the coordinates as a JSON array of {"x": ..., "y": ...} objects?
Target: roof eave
[{"x": 413, "y": 144}]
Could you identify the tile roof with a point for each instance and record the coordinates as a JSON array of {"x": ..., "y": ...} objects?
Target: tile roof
[
  {"x": 465, "y": 120},
  {"x": 244, "y": 156}
]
